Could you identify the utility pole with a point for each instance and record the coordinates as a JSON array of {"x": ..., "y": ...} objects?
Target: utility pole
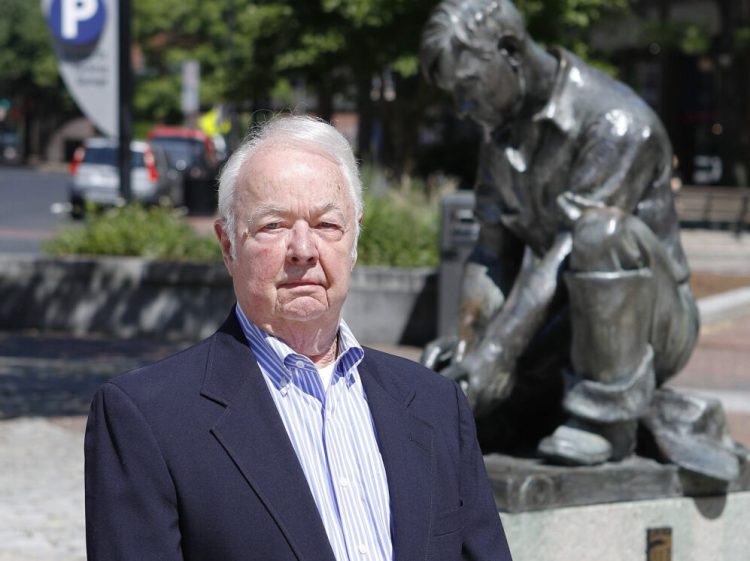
[{"x": 125, "y": 99}]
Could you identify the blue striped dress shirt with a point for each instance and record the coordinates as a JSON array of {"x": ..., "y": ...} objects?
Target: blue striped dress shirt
[{"x": 334, "y": 437}]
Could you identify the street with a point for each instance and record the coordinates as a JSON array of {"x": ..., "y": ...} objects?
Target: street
[{"x": 26, "y": 218}]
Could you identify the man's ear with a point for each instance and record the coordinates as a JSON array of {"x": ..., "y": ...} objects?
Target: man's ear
[
  {"x": 354, "y": 253},
  {"x": 512, "y": 49},
  {"x": 226, "y": 244}
]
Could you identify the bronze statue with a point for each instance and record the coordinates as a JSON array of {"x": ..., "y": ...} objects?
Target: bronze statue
[{"x": 575, "y": 304}]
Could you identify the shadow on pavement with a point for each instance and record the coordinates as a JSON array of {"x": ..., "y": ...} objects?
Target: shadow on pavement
[{"x": 58, "y": 375}]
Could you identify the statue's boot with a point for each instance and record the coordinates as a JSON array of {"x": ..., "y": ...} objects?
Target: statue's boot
[
  {"x": 613, "y": 379},
  {"x": 691, "y": 431}
]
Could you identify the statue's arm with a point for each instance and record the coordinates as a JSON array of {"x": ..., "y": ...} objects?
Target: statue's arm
[
  {"x": 617, "y": 159},
  {"x": 486, "y": 371},
  {"x": 486, "y": 280}
]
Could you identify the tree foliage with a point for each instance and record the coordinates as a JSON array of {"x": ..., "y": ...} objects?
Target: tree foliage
[
  {"x": 29, "y": 76},
  {"x": 567, "y": 22},
  {"x": 247, "y": 48},
  {"x": 26, "y": 57},
  {"x": 305, "y": 53}
]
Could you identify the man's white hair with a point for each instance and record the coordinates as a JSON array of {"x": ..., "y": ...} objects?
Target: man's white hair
[{"x": 295, "y": 130}]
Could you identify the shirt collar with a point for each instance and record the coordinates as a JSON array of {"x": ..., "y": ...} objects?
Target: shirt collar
[
  {"x": 559, "y": 108},
  {"x": 277, "y": 359}
]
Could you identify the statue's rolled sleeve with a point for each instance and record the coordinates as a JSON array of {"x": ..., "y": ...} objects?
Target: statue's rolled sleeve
[{"x": 614, "y": 168}]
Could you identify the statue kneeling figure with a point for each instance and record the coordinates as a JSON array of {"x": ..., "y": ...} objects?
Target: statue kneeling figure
[{"x": 575, "y": 304}]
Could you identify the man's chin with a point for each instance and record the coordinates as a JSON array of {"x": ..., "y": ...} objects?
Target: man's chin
[{"x": 303, "y": 308}]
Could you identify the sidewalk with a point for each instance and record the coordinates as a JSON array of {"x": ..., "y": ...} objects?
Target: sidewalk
[
  {"x": 46, "y": 383},
  {"x": 717, "y": 251}
]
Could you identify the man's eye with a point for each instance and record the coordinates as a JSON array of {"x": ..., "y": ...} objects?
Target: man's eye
[
  {"x": 272, "y": 226},
  {"x": 331, "y": 230}
]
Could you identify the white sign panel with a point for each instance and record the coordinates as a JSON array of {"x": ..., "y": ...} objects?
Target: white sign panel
[
  {"x": 191, "y": 81},
  {"x": 85, "y": 34}
]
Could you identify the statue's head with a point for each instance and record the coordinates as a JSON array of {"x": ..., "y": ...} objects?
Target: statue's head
[{"x": 474, "y": 49}]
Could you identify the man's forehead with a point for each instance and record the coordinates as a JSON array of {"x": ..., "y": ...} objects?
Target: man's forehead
[
  {"x": 273, "y": 187},
  {"x": 270, "y": 165},
  {"x": 285, "y": 187},
  {"x": 281, "y": 150},
  {"x": 316, "y": 209}
]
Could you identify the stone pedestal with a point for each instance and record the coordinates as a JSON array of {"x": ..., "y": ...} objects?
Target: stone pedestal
[
  {"x": 636, "y": 510},
  {"x": 682, "y": 529}
]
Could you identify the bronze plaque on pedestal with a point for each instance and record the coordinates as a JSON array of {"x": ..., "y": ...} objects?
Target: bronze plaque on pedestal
[{"x": 659, "y": 544}]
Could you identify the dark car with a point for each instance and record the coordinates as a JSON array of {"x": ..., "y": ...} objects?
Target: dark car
[
  {"x": 192, "y": 153},
  {"x": 10, "y": 148}
]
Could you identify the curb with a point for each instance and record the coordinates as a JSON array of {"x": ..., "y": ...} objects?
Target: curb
[{"x": 724, "y": 306}]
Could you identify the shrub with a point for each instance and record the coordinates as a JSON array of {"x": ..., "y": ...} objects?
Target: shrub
[
  {"x": 134, "y": 230},
  {"x": 398, "y": 230}
]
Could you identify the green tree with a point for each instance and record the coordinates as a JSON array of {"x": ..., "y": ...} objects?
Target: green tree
[
  {"x": 29, "y": 76},
  {"x": 568, "y": 22},
  {"x": 363, "y": 51},
  {"x": 252, "y": 51}
]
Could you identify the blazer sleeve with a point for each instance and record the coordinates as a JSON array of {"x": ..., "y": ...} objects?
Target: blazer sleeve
[
  {"x": 131, "y": 502},
  {"x": 484, "y": 538}
]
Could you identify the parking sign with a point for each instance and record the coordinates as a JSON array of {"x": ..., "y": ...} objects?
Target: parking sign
[
  {"x": 77, "y": 22},
  {"x": 85, "y": 39}
]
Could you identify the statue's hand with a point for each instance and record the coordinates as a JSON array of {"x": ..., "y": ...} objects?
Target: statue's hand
[
  {"x": 440, "y": 353},
  {"x": 483, "y": 376}
]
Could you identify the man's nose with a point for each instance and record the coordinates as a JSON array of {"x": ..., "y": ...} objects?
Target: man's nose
[{"x": 302, "y": 247}]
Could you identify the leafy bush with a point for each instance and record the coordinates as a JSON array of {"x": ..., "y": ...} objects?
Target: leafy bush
[
  {"x": 398, "y": 230},
  {"x": 134, "y": 230}
]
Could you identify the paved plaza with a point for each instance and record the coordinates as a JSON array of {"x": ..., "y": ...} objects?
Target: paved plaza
[
  {"x": 41, "y": 490},
  {"x": 46, "y": 382}
]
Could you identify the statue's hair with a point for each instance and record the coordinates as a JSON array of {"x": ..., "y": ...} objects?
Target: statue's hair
[
  {"x": 290, "y": 131},
  {"x": 467, "y": 22}
]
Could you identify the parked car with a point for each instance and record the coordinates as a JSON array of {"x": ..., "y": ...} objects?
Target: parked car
[
  {"x": 10, "y": 148},
  {"x": 95, "y": 175},
  {"x": 192, "y": 153}
]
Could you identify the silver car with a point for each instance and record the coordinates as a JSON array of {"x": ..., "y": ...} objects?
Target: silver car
[{"x": 95, "y": 176}]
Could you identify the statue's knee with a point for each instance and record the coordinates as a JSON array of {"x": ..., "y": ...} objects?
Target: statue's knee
[{"x": 602, "y": 241}]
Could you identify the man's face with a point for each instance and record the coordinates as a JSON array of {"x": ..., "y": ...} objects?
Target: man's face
[
  {"x": 483, "y": 83},
  {"x": 295, "y": 238}
]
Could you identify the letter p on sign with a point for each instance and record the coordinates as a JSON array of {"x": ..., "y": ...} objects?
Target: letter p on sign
[
  {"x": 77, "y": 22},
  {"x": 73, "y": 12}
]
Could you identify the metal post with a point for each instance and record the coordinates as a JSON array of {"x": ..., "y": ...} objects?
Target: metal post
[
  {"x": 233, "y": 138},
  {"x": 125, "y": 99}
]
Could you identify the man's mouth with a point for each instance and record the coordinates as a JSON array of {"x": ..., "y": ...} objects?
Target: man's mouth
[{"x": 300, "y": 283}]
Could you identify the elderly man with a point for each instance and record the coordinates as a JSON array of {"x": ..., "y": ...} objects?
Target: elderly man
[
  {"x": 576, "y": 303},
  {"x": 280, "y": 437}
]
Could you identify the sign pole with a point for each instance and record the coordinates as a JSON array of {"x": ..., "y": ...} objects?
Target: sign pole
[{"x": 125, "y": 99}]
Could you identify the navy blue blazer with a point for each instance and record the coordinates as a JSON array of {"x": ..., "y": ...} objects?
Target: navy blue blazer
[{"x": 188, "y": 459}]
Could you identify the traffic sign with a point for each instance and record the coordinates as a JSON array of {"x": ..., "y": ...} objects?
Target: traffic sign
[
  {"x": 77, "y": 22},
  {"x": 85, "y": 37}
]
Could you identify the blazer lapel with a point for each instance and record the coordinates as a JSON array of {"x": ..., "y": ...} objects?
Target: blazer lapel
[
  {"x": 252, "y": 433},
  {"x": 406, "y": 446}
]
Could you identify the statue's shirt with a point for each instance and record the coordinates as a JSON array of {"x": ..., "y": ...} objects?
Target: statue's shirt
[{"x": 594, "y": 144}]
